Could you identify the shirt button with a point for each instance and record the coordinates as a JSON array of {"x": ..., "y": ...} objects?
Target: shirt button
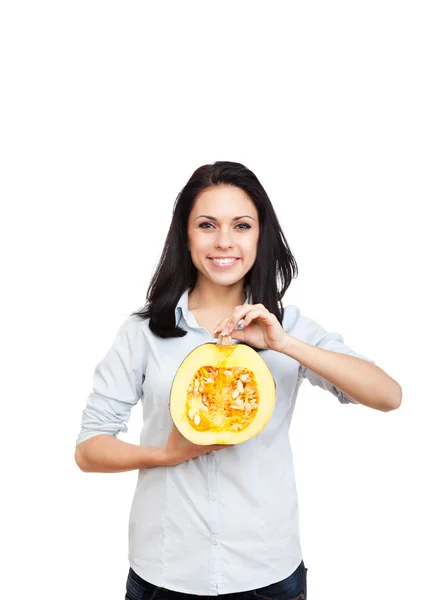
[{"x": 215, "y": 542}]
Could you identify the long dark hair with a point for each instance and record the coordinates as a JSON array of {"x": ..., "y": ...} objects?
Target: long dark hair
[{"x": 269, "y": 277}]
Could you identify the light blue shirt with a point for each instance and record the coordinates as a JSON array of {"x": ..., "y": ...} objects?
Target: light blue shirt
[{"x": 222, "y": 522}]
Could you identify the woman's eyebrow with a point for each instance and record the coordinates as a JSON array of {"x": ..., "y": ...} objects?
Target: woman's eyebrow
[{"x": 235, "y": 218}]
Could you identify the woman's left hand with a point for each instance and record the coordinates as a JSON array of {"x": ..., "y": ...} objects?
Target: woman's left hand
[{"x": 261, "y": 328}]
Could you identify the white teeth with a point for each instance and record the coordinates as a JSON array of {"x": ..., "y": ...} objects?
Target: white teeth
[{"x": 224, "y": 261}]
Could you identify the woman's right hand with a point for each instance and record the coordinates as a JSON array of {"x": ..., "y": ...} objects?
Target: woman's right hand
[{"x": 179, "y": 449}]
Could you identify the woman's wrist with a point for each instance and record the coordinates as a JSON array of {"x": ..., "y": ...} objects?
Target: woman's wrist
[
  {"x": 158, "y": 457},
  {"x": 290, "y": 346}
]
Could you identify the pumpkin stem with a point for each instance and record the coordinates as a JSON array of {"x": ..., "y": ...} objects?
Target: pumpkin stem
[{"x": 224, "y": 340}]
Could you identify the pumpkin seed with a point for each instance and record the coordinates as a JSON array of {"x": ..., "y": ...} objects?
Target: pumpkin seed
[
  {"x": 239, "y": 390},
  {"x": 237, "y": 426}
]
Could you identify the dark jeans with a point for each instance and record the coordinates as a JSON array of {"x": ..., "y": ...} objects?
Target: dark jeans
[{"x": 293, "y": 587}]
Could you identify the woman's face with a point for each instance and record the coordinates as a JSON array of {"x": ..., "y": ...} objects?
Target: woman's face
[{"x": 223, "y": 231}]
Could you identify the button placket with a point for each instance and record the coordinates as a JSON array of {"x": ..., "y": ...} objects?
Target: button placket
[{"x": 214, "y": 519}]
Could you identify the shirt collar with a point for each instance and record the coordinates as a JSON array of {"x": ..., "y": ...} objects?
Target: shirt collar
[{"x": 182, "y": 307}]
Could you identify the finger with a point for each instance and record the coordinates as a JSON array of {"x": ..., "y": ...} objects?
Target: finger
[
  {"x": 242, "y": 319},
  {"x": 209, "y": 447},
  {"x": 221, "y": 325},
  {"x": 239, "y": 335},
  {"x": 238, "y": 318},
  {"x": 226, "y": 325},
  {"x": 234, "y": 320},
  {"x": 262, "y": 314}
]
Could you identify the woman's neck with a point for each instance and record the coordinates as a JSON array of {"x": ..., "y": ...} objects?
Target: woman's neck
[{"x": 216, "y": 296}]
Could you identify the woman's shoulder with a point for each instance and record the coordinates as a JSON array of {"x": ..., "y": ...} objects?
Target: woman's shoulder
[
  {"x": 133, "y": 324},
  {"x": 291, "y": 316},
  {"x": 301, "y": 326}
]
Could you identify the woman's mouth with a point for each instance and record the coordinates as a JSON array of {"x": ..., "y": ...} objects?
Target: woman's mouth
[{"x": 221, "y": 263}]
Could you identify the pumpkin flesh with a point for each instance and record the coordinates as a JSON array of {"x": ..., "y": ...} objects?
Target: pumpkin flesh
[{"x": 222, "y": 394}]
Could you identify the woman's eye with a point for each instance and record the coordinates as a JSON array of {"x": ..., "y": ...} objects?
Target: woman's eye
[
  {"x": 246, "y": 226},
  {"x": 206, "y": 225}
]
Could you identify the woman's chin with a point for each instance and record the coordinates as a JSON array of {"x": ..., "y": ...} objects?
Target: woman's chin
[{"x": 225, "y": 279}]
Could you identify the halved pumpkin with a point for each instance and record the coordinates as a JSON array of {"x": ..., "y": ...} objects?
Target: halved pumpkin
[{"x": 222, "y": 393}]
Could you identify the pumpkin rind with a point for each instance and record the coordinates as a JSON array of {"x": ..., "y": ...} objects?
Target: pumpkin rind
[{"x": 222, "y": 357}]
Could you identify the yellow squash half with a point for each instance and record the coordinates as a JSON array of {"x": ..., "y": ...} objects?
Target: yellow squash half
[{"x": 222, "y": 393}]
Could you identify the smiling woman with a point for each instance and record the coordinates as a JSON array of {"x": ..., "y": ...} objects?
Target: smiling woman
[
  {"x": 223, "y": 240},
  {"x": 223, "y": 232},
  {"x": 205, "y": 522}
]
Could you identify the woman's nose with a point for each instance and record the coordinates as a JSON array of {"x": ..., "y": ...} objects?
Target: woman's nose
[{"x": 224, "y": 240}]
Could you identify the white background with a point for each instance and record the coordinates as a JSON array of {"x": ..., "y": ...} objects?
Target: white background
[{"x": 107, "y": 109}]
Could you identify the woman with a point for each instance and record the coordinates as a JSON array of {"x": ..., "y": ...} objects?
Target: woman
[{"x": 217, "y": 520}]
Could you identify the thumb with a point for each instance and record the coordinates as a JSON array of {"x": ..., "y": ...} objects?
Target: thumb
[{"x": 238, "y": 335}]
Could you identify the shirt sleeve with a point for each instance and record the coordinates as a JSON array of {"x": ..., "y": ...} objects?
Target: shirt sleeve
[
  {"x": 309, "y": 331},
  {"x": 117, "y": 383}
]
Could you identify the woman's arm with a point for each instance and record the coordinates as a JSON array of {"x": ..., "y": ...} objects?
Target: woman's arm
[
  {"x": 106, "y": 454},
  {"x": 350, "y": 377},
  {"x": 366, "y": 383}
]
